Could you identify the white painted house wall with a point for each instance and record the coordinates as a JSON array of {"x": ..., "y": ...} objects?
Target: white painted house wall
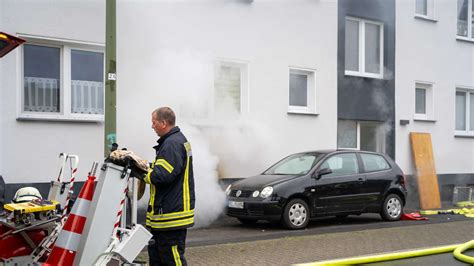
[
  {"x": 29, "y": 149},
  {"x": 428, "y": 51},
  {"x": 165, "y": 52}
]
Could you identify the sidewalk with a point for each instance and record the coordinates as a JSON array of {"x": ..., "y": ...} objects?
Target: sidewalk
[{"x": 304, "y": 249}]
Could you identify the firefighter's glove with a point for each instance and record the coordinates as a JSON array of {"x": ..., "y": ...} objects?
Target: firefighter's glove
[
  {"x": 138, "y": 165},
  {"x": 137, "y": 172}
]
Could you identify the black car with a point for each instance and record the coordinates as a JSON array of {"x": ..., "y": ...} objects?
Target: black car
[{"x": 320, "y": 183}]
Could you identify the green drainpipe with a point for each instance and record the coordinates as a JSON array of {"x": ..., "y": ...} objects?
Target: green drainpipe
[{"x": 110, "y": 127}]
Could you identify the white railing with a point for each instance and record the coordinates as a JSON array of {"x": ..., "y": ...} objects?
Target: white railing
[
  {"x": 87, "y": 97},
  {"x": 41, "y": 94}
]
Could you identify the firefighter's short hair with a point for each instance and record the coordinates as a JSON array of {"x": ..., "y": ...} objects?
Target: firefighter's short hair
[{"x": 165, "y": 114}]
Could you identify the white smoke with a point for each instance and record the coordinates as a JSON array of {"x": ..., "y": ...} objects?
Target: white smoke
[{"x": 223, "y": 143}]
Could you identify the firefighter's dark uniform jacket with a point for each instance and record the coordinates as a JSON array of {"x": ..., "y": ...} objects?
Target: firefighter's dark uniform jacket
[{"x": 171, "y": 182}]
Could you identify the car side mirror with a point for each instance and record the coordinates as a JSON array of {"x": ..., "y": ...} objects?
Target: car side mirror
[{"x": 321, "y": 172}]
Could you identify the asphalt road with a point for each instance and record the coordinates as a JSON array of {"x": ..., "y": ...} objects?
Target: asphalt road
[{"x": 230, "y": 230}]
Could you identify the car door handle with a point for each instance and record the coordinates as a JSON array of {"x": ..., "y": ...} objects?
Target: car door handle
[{"x": 361, "y": 179}]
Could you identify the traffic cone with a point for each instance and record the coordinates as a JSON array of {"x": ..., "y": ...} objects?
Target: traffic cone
[{"x": 66, "y": 245}]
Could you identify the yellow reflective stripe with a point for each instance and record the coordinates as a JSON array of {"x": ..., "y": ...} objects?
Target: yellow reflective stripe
[
  {"x": 187, "y": 146},
  {"x": 170, "y": 215},
  {"x": 170, "y": 224},
  {"x": 147, "y": 177},
  {"x": 165, "y": 164},
  {"x": 152, "y": 199},
  {"x": 186, "y": 201},
  {"x": 177, "y": 258}
]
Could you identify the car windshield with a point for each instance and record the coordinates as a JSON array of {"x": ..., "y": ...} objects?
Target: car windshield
[{"x": 296, "y": 164}]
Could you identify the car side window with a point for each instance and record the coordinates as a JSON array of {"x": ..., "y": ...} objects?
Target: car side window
[
  {"x": 342, "y": 164},
  {"x": 374, "y": 162}
]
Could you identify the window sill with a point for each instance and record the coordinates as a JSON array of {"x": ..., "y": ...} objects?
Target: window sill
[
  {"x": 464, "y": 39},
  {"x": 424, "y": 119},
  {"x": 425, "y": 18},
  {"x": 60, "y": 118},
  {"x": 463, "y": 134},
  {"x": 363, "y": 75},
  {"x": 295, "y": 112}
]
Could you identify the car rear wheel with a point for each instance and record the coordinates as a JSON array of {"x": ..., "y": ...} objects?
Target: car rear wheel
[
  {"x": 247, "y": 221},
  {"x": 392, "y": 208},
  {"x": 296, "y": 214}
]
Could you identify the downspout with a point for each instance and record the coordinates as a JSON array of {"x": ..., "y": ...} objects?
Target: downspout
[{"x": 110, "y": 127}]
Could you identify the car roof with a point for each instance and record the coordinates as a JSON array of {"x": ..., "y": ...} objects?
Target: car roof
[{"x": 328, "y": 151}]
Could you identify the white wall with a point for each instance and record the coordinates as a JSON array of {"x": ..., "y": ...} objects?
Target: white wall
[
  {"x": 165, "y": 51},
  {"x": 30, "y": 148},
  {"x": 429, "y": 51}
]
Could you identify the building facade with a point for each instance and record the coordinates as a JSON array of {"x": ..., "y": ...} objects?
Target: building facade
[
  {"x": 366, "y": 75},
  {"x": 45, "y": 83},
  {"x": 256, "y": 80},
  {"x": 435, "y": 86}
]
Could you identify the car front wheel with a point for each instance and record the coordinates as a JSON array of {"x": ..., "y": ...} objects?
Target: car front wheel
[
  {"x": 296, "y": 214},
  {"x": 392, "y": 208}
]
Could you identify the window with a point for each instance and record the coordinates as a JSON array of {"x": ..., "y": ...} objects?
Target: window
[
  {"x": 465, "y": 25},
  {"x": 362, "y": 135},
  {"x": 295, "y": 164},
  {"x": 230, "y": 86},
  {"x": 465, "y": 111},
  {"x": 374, "y": 162},
  {"x": 364, "y": 48},
  {"x": 420, "y": 101},
  {"x": 41, "y": 78},
  {"x": 424, "y": 109},
  {"x": 348, "y": 134},
  {"x": 342, "y": 164},
  {"x": 301, "y": 91},
  {"x": 421, "y": 7},
  {"x": 62, "y": 82},
  {"x": 424, "y": 9}
]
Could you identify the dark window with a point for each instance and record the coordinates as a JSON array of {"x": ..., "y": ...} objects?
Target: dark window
[{"x": 41, "y": 78}]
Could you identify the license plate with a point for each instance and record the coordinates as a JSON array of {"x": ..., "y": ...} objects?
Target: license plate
[{"x": 236, "y": 204}]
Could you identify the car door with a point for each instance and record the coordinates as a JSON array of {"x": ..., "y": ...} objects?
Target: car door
[
  {"x": 340, "y": 191},
  {"x": 378, "y": 174}
]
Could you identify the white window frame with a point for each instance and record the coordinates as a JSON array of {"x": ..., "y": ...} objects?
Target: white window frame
[
  {"x": 244, "y": 83},
  {"x": 466, "y": 133},
  {"x": 429, "y": 101},
  {"x": 470, "y": 33},
  {"x": 311, "y": 98},
  {"x": 430, "y": 11},
  {"x": 65, "y": 113},
  {"x": 361, "y": 72}
]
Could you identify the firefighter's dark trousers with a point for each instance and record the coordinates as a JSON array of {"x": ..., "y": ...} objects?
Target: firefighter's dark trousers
[{"x": 168, "y": 248}]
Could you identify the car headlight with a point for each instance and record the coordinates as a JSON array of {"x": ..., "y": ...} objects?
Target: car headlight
[
  {"x": 255, "y": 193},
  {"x": 227, "y": 190},
  {"x": 266, "y": 192}
]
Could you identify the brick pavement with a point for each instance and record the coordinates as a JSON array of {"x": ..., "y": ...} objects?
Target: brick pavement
[{"x": 303, "y": 249}]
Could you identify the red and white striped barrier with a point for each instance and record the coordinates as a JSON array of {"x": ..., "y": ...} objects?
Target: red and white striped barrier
[
  {"x": 66, "y": 245},
  {"x": 119, "y": 214},
  {"x": 71, "y": 185}
]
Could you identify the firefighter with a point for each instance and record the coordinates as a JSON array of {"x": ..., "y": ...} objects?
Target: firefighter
[{"x": 171, "y": 206}]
